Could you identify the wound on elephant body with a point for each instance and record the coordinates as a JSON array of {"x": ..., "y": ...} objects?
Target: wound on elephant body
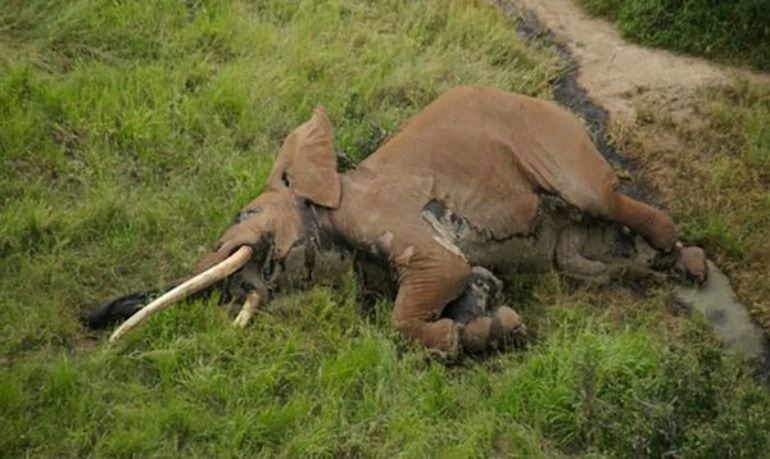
[{"x": 481, "y": 182}]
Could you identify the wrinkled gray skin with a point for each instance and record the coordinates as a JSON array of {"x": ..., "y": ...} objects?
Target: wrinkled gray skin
[{"x": 564, "y": 239}]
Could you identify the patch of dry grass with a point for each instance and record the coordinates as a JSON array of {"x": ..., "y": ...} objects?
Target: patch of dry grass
[{"x": 712, "y": 166}]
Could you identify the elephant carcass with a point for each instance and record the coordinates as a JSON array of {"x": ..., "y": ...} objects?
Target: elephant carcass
[{"x": 481, "y": 180}]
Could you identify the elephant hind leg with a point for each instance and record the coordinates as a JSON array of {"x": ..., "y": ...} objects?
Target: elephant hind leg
[{"x": 651, "y": 223}]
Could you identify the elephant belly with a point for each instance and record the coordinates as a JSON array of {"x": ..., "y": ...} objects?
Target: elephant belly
[
  {"x": 533, "y": 251},
  {"x": 516, "y": 253}
]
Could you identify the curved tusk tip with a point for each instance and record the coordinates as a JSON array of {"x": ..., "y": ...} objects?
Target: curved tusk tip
[
  {"x": 185, "y": 289},
  {"x": 248, "y": 310}
]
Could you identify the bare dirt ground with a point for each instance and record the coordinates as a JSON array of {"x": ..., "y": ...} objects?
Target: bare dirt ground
[{"x": 621, "y": 76}]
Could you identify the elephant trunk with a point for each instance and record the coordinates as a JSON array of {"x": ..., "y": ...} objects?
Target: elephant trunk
[{"x": 191, "y": 286}]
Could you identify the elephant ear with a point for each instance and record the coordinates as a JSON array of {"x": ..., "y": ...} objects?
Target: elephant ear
[{"x": 307, "y": 164}]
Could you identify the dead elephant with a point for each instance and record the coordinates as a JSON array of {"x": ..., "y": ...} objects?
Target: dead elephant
[{"x": 479, "y": 180}]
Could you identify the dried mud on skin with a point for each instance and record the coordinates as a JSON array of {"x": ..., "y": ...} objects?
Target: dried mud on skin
[{"x": 730, "y": 319}]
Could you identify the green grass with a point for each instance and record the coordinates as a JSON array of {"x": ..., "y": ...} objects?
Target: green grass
[
  {"x": 311, "y": 379},
  {"x": 719, "y": 175},
  {"x": 130, "y": 132},
  {"x": 732, "y": 31}
]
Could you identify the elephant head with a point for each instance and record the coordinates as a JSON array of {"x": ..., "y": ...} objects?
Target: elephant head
[
  {"x": 303, "y": 178},
  {"x": 305, "y": 172}
]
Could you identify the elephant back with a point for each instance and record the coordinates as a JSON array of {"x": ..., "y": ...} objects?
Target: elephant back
[{"x": 489, "y": 153}]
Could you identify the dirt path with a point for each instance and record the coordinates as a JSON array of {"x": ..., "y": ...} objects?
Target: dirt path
[{"x": 618, "y": 74}]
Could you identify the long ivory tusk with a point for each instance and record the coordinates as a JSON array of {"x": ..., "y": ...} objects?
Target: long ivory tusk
[
  {"x": 185, "y": 289},
  {"x": 248, "y": 310}
]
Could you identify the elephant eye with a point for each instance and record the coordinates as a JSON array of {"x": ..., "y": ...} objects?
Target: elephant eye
[
  {"x": 246, "y": 214},
  {"x": 286, "y": 180}
]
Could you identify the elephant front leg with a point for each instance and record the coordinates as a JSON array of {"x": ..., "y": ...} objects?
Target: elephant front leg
[
  {"x": 445, "y": 306},
  {"x": 432, "y": 275},
  {"x": 427, "y": 282}
]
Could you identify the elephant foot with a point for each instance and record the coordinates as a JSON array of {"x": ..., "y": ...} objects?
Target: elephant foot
[
  {"x": 691, "y": 262},
  {"x": 512, "y": 326},
  {"x": 475, "y": 335},
  {"x": 497, "y": 331},
  {"x": 441, "y": 338},
  {"x": 483, "y": 324},
  {"x": 449, "y": 349}
]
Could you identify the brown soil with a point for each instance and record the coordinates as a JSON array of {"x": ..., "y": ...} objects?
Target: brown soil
[{"x": 619, "y": 75}]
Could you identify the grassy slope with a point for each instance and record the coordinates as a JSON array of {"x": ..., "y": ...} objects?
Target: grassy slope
[
  {"x": 731, "y": 31},
  {"x": 120, "y": 122}
]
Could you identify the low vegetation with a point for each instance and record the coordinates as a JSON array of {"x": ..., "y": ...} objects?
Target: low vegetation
[
  {"x": 714, "y": 164},
  {"x": 311, "y": 378},
  {"x": 735, "y": 32},
  {"x": 130, "y": 132}
]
